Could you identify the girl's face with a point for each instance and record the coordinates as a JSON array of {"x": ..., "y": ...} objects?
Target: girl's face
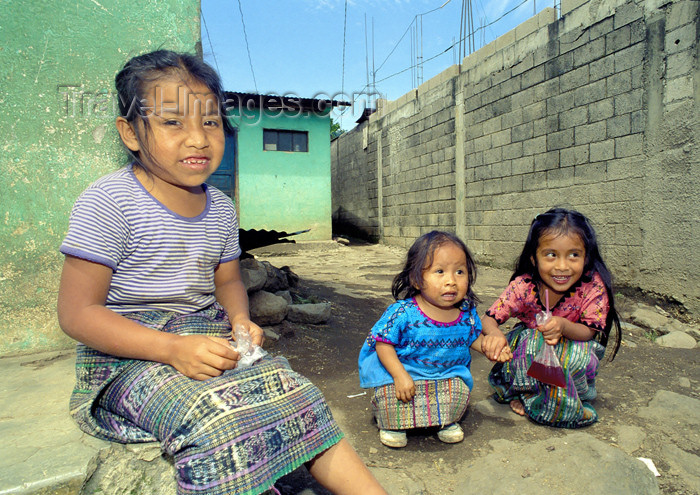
[
  {"x": 184, "y": 144},
  {"x": 446, "y": 279},
  {"x": 560, "y": 259}
]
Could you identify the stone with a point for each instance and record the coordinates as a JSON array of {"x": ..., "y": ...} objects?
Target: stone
[
  {"x": 648, "y": 317},
  {"x": 276, "y": 278},
  {"x": 267, "y": 308},
  {"x": 677, "y": 340},
  {"x": 630, "y": 438},
  {"x": 684, "y": 382},
  {"x": 253, "y": 274},
  {"x": 687, "y": 465},
  {"x": 561, "y": 464},
  {"x": 269, "y": 334},
  {"x": 309, "y": 313},
  {"x": 670, "y": 408},
  {"x": 630, "y": 328},
  {"x": 286, "y": 295},
  {"x": 676, "y": 326}
]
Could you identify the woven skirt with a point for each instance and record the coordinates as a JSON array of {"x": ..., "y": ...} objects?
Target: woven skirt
[
  {"x": 236, "y": 433},
  {"x": 565, "y": 407},
  {"x": 436, "y": 403}
]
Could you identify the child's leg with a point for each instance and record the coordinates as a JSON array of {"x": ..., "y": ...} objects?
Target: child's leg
[
  {"x": 517, "y": 407},
  {"x": 341, "y": 471}
]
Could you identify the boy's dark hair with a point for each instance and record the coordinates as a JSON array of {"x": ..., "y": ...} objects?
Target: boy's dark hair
[
  {"x": 419, "y": 255},
  {"x": 561, "y": 221},
  {"x": 133, "y": 79}
]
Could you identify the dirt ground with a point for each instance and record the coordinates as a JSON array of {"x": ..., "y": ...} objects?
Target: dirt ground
[{"x": 356, "y": 279}]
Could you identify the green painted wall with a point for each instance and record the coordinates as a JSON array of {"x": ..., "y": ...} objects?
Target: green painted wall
[
  {"x": 280, "y": 190},
  {"x": 57, "y": 135}
]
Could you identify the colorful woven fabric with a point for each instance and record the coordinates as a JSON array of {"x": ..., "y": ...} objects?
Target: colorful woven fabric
[
  {"x": 436, "y": 403},
  {"x": 236, "y": 433},
  {"x": 567, "y": 407}
]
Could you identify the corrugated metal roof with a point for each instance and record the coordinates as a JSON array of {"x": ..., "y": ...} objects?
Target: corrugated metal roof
[{"x": 276, "y": 102}]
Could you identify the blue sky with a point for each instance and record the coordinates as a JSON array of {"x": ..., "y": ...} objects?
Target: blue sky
[{"x": 296, "y": 46}]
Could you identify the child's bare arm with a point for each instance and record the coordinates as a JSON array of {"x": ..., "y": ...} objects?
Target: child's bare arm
[
  {"x": 232, "y": 295},
  {"x": 494, "y": 341},
  {"x": 405, "y": 388},
  {"x": 482, "y": 343},
  {"x": 84, "y": 317}
]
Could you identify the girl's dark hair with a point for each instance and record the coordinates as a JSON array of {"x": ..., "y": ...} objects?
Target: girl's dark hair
[
  {"x": 419, "y": 255},
  {"x": 138, "y": 73},
  {"x": 560, "y": 221}
]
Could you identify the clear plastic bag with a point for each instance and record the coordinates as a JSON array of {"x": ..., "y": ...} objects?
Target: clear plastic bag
[
  {"x": 249, "y": 352},
  {"x": 546, "y": 366}
]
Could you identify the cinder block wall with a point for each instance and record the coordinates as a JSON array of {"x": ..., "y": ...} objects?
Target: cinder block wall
[
  {"x": 596, "y": 110},
  {"x": 57, "y": 135}
]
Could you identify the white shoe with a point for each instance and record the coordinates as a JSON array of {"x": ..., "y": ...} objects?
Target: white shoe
[
  {"x": 393, "y": 438},
  {"x": 451, "y": 433}
]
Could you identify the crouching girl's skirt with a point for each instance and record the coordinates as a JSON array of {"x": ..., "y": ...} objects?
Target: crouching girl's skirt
[
  {"x": 236, "y": 433},
  {"x": 567, "y": 407},
  {"x": 436, "y": 403}
]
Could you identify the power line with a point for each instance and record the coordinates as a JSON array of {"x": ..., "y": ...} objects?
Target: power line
[
  {"x": 245, "y": 35},
  {"x": 210, "y": 45}
]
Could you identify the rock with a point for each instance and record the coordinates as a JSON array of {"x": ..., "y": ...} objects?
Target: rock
[
  {"x": 687, "y": 465},
  {"x": 648, "y": 317},
  {"x": 292, "y": 278},
  {"x": 309, "y": 313},
  {"x": 677, "y": 326},
  {"x": 630, "y": 438},
  {"x": 342, "y": 240},
  {"x": 276, "y": 278},
  {"x": 670, "y": 408},
  {"x": 254, "y": 274},
  {"x": 677, "y": 340},
  {"x": 267, "y": 308},
  {"x": 631, "y": 329},
  {"x": 556, "y": 465},
  {"x": 269, "y": 334},
  {"x": 684, "y": 382},
  {"x": 492, "y": 409},
  {"x": 285, "y": 294}
]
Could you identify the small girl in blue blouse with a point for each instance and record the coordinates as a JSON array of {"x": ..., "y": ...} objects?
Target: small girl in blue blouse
[{"x": 416, "y": 357}]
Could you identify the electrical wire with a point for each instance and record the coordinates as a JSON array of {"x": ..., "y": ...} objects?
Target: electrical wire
[
  {"x": 245, "y": 35},
  {"x": 204, "y": 21}
]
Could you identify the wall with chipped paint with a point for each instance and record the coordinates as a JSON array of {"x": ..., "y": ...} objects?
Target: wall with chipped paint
[{"x": 57, "y": 135}]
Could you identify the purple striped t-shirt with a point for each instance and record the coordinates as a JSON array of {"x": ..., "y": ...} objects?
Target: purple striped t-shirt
[{"x": 159, "y": 259}]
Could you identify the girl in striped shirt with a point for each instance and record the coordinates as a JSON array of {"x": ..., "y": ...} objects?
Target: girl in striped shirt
[{"x": 150, "y": 288}]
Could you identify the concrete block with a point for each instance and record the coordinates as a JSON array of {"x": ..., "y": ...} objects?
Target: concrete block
[
  {"x": 534, "y": 111},
  {"x": 589, "y": 133},
  {"x": 547, "y": 125},
  {"x": 590, "y": 93},
  {"x": 601, "y": 68},
  {"x": 679, "y": 64},
  {"x": 573, "y": 39},
  {"x": 532, "y": 77},
  {"x": 512, "y": 184},
  {"x": 618, "y": 126},
  {"x": 601, "y": 28},
  {"x": 628, "y": 58},
  {"x": 502, "y": 168},
  {"x": 523, "y": 165},
  {"x": 559, "y": 65},
  {"x": 681, "y": 13},
  {"x": 638, "y": 122},
  {"x": 627, "y": 146},
  {"x": 513, "y": 117},
  {"x": 679, "y": 88},
  {"x": 627, "y": 13},
  {"x": 569, "y": 5},
  {"x": 501, "y": 138},
  {"x": 589, "y": 52},
  {"x": 560, "y": 103},
  {"x": 575, "y": 155},
  {"x": 560, "y": 177},
  {"x": 574, "y": 78},
  {"x": 560, "y": 140},
  {"x": 575, "y": 117},
  {"x": 628, "y": 102},
  {"x": 525, "y": 28},
  {"x": 618, "y": 39},
  {"x": 600, "y": 110},
  {"x": 525, "y": 63},
  {"x": 619, "y": 83},
  {"x": 513, "y": 150},
  {"x": 503, "y": 40},
  {"x": 535, "y": 146},
  {"x": 680, "y": 39},
  {"x": 522, "y": 132},
  {"x": 602, "y": 150}
]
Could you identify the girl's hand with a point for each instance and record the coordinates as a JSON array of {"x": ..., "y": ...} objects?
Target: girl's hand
[
  {"x": 553, "y": 329},
  {"x": 256, "y": 333},
  {"x": 405, "y": 388},
  {"x": 495, "y": 347},
  {"x": 201, "y": 357}
]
